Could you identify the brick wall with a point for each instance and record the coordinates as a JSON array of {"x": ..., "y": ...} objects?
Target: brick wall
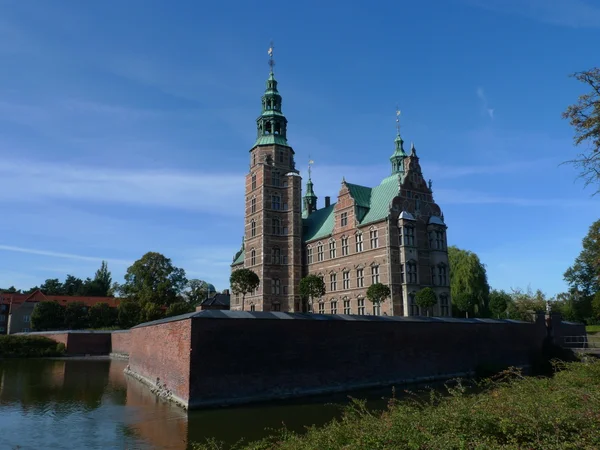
[
  {"x": 120, "y": 342},
  {"x": 162, "y": 350},
  {"x": 81, "y": 342}
]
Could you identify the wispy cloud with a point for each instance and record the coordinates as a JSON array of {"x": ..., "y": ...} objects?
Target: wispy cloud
[
  {"x": 33, "y": 251},
  {"x": 484, "y": 103},
  {"x": 445, "y": 196},
  {"x": 568, "y": 13}
]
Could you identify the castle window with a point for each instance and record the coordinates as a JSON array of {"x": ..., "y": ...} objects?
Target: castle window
[
  {"x": 253, "y": 257},
  {"x": 237, "y": 299},
  {"x": 344, "y": 246},
  {"x": 401, "y": 273},
  {"x": 361, "y": 306},
  {"x": 320, "y": 256},
  {"x": 285, "y": 290},
  {"x": 412, "y": 304},
  {"x": 332, "y": 249},
  {"x": 276, "y": 307},
  {"x": 374, "y": 239},
  {"x": 359, "y": 242},
  {"x": 439, "y": 239},
  {"x": 417, "y": 203},
  {"x": 411, "y": 272},
  {"x": 268, "y": 128},
  {"x": 284, "y": 231},
  {"x": 253, "y": 205},
  {"x": 253, "y": 181},
  {"x": 309, "y": 255},
  {"x": 275, "y": 255},
  {"x": 252, "y": 307},
  {"x": 321, "y": 308},
  {"x": 374, "y": 274},
  {"x": 431, "y": 241},
  {"x": 442, "y": 274},
  {"x": 253, "y": 159},
  {"x": 433, "y": 275},
  {"x": 376, "y": 309},
  {"x": 346, "y": 280},
  {"x": 347, "y": 307},
  {"x": 277, "y": 128},
  {"x": 252, "y": 228},
  {"x": 275, "y": 202},
  {"x": 275, "y": 179},
  {"x": 276, "y": 226},
  {"x": 275, "y": 286},
  {"x": 360, "y": 278},
  {"x": 333, "y": 307},
  {"x": 409, "y": 235},
  {"x": 344, "y": 219},
  {"x": 445, "y": 306},
  {"x": 333, "y": 282},
  {"x": 280, "y": 156}
]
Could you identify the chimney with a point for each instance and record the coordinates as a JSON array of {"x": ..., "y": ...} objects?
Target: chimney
[
  {"x": 225, "y": 291},
  {"x": 327, "y": 201}
]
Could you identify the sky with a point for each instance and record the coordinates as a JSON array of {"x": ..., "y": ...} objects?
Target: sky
[{"x": 125, "y": 126}]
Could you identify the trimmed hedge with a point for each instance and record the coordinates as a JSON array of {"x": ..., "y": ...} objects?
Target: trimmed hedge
[
  {"x": 12, "y": 346},
  {"x": 514, "y": 412}
]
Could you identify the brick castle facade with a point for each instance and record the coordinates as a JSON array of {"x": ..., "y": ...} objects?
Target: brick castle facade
[{"x": 393, "y": 233}]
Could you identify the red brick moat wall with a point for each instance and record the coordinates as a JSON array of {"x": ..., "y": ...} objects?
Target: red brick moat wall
[
  {"x": 120, "y": 342},
  {"x": 81, "y": 342}
]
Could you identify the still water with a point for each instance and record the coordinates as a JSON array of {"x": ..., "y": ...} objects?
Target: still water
[{"x": 90, "y": 404}]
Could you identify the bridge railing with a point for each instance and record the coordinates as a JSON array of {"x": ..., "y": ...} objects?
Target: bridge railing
[{"x": 581, "y": 342}]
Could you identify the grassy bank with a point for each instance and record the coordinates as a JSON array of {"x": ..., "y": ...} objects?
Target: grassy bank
[
  {"x": 593, "y": 328},
  {"x": 512, "y": 412},
  {"x": 29, "y": 347}
]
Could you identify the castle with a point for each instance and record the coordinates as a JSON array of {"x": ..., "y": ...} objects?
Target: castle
[{"x": 393, "y": 233}]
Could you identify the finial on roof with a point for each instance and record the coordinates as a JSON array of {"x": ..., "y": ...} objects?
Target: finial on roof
[
  {"x": 271, "y": 60},
  {"x": 343, "y": 179},
  {"x": 442, "y": 217},
  {"x": 430, "y": 183},
  {"x": 413, "y": 150},
  {"x": 397, "y": 121},
  {"x": 310, "y": 163}
]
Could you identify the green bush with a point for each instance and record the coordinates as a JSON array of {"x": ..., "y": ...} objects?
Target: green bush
[
  {"x": 511, "y": 412},
  {"x": 12, "y": 346}
]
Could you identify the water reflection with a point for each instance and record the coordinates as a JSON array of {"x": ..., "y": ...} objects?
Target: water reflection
[{"x": 89, "y": 403}]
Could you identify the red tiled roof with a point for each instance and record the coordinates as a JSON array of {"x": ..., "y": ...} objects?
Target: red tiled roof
[{"x": 38, "y": 296}]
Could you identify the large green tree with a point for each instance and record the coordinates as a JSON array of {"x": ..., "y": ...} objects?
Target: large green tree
[
  {"x": 129, "y": 313},
  {"x": 584, "y": 116},
  {"x": 464, "y": 302},
  {"x": 52, "y": 286},
  {"x": 311, "y": 287},
  {"x": 76, "y": 316},
  {"x": 243, "y": 281},
  {"x": 72, "y": 286},
  {"x": 499, "y": 301},
  {"x": 48, "y": 316},
  {"x": 178, "y": 308},
  {"x": 378, "y": 292},
  {"x": 584, "y": 274},
  {"x": 196, "y": 292},
  {"x": 154, "y": 279},
  {"x": 426, "y": 299},
  {"x": 468, "y": 276},
  {"x": 101, "y": 315},
  {"x": 524, "y": 303}
]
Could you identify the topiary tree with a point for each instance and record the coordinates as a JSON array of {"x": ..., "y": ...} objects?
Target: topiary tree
[
  {"x": 47, "y": 316},
  {"x": 378, "y": 292},
  {"x": 311, "y": 287},
  {"x": 129, "y": 313},
  {"x": 465, "y": 302},
  {"x": 499, "y": 301},
  {"x": 426, "y": 298},
  {"x": 243, "y": 281},
  {"x": 179, "y": 308},
  {"x": 76, "y": 316}
]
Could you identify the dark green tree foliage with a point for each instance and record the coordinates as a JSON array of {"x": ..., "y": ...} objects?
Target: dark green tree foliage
[
  {"x": 524, "y": 304},
  {"x": 311, "y": 287},
  {"x": 178, "y": 308},
  {"x": 151, "y": 311},
  {"x": 243, "y": 281},
  {"x": 48, "y": 316},
  {"x": 52, "y": 287},
  {"x": 72, "y": 286},
  {"x": 129, "y": 313},
  {"x": 426, "y": 299},
  {"x": 103, "y": 280},
  {"x": 196, "y": 292},
  {"x": 101, "y": 315},
  {"x": 76, "y": 316},
  {"x": 464, "y": 302},
  {"x": 11, "y": 290},
  {"x": 596, "y": 307},
  {"x": 584, "y": 274},
  {"x": 468, "y": 276},
  {"x": 154, "y": 279},
  {"x": 378, "y": 292},
  {"x": 499, "y": 301},
  {"x": 584, "y": 116}
]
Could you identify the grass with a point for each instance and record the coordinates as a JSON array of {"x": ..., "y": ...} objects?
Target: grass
[
  {"x": 29, "y": 347},
  {"x": 508, "y": 412},
  {"x": 592, "y": 328}
]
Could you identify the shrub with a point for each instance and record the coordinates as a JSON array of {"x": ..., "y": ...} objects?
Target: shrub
[{"x": 13, "y": 346}]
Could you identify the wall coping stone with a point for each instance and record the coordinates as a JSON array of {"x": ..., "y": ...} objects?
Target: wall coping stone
[{"x": 67, "y": 332}]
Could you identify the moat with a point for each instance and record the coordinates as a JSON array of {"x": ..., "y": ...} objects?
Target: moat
[{"x": 89, "y": 403}]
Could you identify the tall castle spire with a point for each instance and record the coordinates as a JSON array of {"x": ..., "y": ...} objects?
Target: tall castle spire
[
  {"x": 310, "y": 199},
  {"x": 271, "y": 125},
  {"x": 397, "y": 158}
]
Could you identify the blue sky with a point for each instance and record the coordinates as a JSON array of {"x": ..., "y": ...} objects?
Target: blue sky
[{"x": 125, "y": 126}]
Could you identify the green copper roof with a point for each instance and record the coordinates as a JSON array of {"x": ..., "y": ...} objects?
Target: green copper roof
[
  {"x": 271, "y": 139},
  {"x": 373, "y": 205},
  {"x": 239, "y": 259}
]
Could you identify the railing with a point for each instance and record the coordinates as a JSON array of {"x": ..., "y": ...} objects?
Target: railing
[{"x": 581, "y": 342}]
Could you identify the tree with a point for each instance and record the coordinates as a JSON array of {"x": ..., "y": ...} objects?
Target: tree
[
  {"x": 178, "y": 308},
  {"x": 499, "y": 301},
  {"x": 101, "y": 315},
  {"x": 76, "y": 316},
  {"x": 524, "y": 304},
  {"x": 129, "y": 313},
  {"x": 378, "y": 292},
  {"x": 243, "y": 281},
  {"x": 11, "y": 290},
  {"x": 154, "y": 279},
  {"x": 584, "y": 116},
  {"x": 102, "y": 280},
  {"x": 72, "y": 286},
  {"x": 426, "y": 299},
  {"x": 52, "y": 287},
  {"x": 311, "y": 287},
  {"x": 465, "y": 302},
  {"x": 584, "y": 274},
  {"x": 596, "y": 306},
  {"x": 151, "y": 311},
  {"x": 196, "y": 292},
  {"x": 48, "y": 316},
  {"x": 468, "y": 276}
]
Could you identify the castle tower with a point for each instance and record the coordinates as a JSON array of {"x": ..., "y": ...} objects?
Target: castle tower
[{"x": 273, "y": 225}]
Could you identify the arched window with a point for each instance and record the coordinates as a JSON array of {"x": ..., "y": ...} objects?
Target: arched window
[
  {"x": 252, "y": 257},
  {"x": 374, "y": 237},
  {"x": 253, "y": 205},
  {"x": 332, "y": 248},
  {"x": 347, "y": 307},
  {"x": 275, "y": 255},
  {"x": 268, "y": 128},
  {"x": 252, "y": 228},
  {"x": 253, "y": 181},
  {"x": 276, "y": 226},
  {"x": 333, "y": 305},
  {"x": 411, "y": 272},
  {"x": 444, "y": 305},
  {"x": 275, "y": 286},
  {"x": 344, "y": 246},
  {"x": 361, "y": 306},
  {"x": 309, "y": 255},
  {"x": 320, "y": 256},
  {"x": 409, "y": 235},
  {"x": 443, "y": 274},
  {"x": 321, "y": 307},
  {"x": 252, "y": 307},
  {"x": 275, "y": 178},
  {"x": 276, "y": 202},
  {"x": 412, "y": 304},
  {"x": 359, "y": 242},
  {"x": 374, "y": 274}
]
